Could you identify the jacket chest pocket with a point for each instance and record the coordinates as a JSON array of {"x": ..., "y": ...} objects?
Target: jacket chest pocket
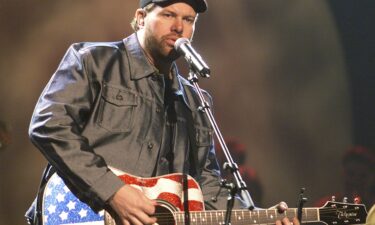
[
  {"x": 116, "y": 109},
  {"x": 203, "y": 137}
]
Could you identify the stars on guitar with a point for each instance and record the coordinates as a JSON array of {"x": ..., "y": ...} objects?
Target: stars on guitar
[
  {"x": 60, "y": 197},
  {"x": 71, "y": 205},
  {"x": 51, "y": 209},
  {"x": 63, "y": 215},
  {"x": 62, "y": 207},
  {"x": 83, "y": 213}
]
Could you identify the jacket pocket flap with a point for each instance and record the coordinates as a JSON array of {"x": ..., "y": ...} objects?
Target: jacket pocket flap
[
  {"x": 119, "y": 97},
  {"x": 203, "y": 136}
]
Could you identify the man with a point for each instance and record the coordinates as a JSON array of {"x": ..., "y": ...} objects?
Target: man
[{"x": 123, "y": 105}]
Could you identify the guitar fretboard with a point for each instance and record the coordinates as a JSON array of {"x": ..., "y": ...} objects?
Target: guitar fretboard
[{"x": 242, "y": 217}]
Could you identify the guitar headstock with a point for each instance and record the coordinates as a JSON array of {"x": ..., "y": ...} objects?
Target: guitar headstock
[{"x": 338, "y": 213}]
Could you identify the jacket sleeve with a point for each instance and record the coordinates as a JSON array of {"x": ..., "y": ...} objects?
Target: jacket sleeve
[{"x": 56, "y": 130}]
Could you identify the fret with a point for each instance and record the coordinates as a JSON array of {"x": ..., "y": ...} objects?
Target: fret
[
  {"x": 290, "y": 213},
  {"x": 285, "y": 213},
  {"x": 176, "y": 217},
  {"x": 317, "y": 214},
  {"x": 248, "y": 214},
  {"x": 193, "y": 217},
  {"x": 179, "y": 218},
  {"x": 203, "y": 218},
  {"x": 311, "y": 214},
  {"x": 263, "y": 216},
  {"x": 222, "y": 217},
  {"x": 238, "y": 215},
  {"x": 295, "y": 212},
  {"x": 271, "y": 214},
  {"x": 255, "y": 218}
]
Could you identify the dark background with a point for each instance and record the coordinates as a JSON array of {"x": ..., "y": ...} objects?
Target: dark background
[
  {"x": 293, "y": 80},
  {"x": 354, "y": 22}
]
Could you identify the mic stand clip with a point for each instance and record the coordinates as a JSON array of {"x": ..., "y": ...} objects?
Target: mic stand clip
[{"x": 232, "y": 189}]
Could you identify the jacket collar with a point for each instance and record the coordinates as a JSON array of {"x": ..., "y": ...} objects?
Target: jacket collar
[
  {"x": 139, "y": 65},
  {"x": 176, "y": 80}
]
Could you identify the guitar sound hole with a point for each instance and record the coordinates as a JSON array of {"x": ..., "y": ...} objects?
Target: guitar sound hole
[{"x": 164, "y": 216}]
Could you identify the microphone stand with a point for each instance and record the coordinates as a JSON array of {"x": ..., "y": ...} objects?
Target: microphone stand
[{"x": 240, "y": 184}]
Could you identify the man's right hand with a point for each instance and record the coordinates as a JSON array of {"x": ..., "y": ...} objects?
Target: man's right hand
[{"x": 132, "y": 206}]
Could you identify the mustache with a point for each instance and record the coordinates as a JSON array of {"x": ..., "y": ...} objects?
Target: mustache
[{"x": 172, "y": 36}]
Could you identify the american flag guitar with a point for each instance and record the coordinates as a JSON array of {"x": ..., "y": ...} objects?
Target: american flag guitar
[{"x": 61, "y": 207}]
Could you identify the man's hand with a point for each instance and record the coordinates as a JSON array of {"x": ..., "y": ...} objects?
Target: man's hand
[
  {"x": 133, "y": 207},
  {"x": 286, "y": 221},
  {"x": 281, "y": 208}
]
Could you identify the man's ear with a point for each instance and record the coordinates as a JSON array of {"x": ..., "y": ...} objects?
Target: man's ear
[{"x": 140, "y": 15}]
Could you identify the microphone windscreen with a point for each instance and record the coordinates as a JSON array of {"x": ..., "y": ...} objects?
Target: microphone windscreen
[{"x": 179, "y": 42}]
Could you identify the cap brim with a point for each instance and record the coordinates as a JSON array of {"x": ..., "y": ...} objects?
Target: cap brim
[{"x": 199, "y": 6}]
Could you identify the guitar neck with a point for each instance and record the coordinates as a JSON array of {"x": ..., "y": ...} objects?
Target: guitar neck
[{"x": 240, "y": 217}]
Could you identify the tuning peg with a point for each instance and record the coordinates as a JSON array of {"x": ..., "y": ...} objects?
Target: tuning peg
[
  {"x": 357, "y": 200},
  {"x": 345, "y": 200},
  {"x": 333, "y": 198}
]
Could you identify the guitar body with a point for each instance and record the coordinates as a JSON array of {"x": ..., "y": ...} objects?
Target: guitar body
[{"x": 60, "y": 206}]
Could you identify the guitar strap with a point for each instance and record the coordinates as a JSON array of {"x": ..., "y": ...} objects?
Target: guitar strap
[
  {"x": 186, "y": 198},
  {"x": 191, "y": 163},
  {"x": 34, "y": 213}
]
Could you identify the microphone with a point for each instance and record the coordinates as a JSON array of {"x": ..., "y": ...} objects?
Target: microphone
[{"x": 183, "y": 46}]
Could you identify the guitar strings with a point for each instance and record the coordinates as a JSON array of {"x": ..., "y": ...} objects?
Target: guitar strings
[
  {"x": 236, "y": 211},
  {"x": 197, "y": 215}
]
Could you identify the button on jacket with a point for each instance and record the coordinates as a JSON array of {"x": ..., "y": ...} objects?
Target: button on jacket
[{"x": 104, "y": 107}]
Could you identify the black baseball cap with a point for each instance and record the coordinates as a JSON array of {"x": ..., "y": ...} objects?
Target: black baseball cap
[{"x": 198, "y": 5}]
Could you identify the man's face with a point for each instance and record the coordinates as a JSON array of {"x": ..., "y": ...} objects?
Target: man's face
[{"x": 164, "y": 25}]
